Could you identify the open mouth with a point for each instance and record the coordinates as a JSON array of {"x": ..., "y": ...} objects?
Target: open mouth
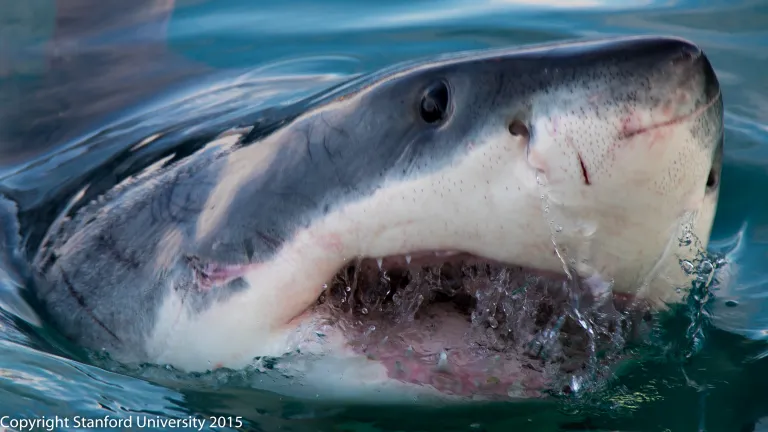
[{"x": 469, "y": 326}]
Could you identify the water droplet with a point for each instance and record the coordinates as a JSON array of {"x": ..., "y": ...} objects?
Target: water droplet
[
  {"x": 364, "y": 311},
  {"x": 575, "y": 384},
  {"x": 442, "y": 360},
  {"x": 325, "y": 286},
  {"x": 731, "y": 303},
  {"x": 706, "y": 267},
  {"x": 493, "y": 323},
  {"x": 558, "y": 228},
  {"x": 348, "y": 289},
  {"x": 687, "y": 266}
]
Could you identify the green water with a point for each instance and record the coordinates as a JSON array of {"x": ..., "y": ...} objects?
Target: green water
[{"x": 82, "y": 80}]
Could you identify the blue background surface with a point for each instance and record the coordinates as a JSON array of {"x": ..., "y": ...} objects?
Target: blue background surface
[{"x": 81, "y": 81}]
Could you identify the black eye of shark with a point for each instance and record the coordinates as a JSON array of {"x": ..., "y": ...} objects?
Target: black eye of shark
[{"x": 435, "y": 103}]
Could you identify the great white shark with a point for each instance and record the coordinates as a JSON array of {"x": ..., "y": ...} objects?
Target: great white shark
[{"x": 581, "y": 163}]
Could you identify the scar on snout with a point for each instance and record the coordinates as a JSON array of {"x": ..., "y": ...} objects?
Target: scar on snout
[
  {"x": 583, "y": 166},
  {"x": 630, "y": 123},
  {"x": 583, "y": 170}
]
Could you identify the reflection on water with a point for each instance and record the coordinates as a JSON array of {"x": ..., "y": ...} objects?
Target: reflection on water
[
  {"x": 83, "y": 81},
  {"x": 98, "y": 59}
]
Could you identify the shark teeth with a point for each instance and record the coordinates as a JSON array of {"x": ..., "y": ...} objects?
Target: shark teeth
[{"x": 409, "y": 258}]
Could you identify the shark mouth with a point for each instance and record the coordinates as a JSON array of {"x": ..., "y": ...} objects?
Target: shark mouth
[{"x": 472, "y": 327}]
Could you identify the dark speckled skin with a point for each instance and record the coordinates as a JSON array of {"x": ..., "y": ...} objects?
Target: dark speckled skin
[{"x": 102, "y": 274}]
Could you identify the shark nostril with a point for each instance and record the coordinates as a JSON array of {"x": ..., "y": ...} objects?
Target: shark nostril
[{"x": 518, "y": 129}]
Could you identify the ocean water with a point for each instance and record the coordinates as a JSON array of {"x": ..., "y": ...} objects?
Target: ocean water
[{"x": 83, "y": 81}]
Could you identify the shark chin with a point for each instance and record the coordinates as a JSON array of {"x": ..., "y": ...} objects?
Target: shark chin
[{"x": 472, "y": 226}]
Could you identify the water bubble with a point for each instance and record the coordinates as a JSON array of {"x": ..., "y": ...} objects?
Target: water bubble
[
  {"x": 575, "y": 384},
  {"x": 370, "y": 330},
  {"x": 687, "y": 266},
  {"x": 706, "y": 267},
  {"x": 348, "y": 289},
  {"x": 397, "y": 298},
  {"x": 364, "y": 311},
  {"x": 442, "y": 361},
  {"x": 731, "y": 303},
  {"x": 493, "y": 322}
]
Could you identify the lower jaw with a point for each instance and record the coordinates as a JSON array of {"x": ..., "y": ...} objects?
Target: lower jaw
[{"x": 473, "y": 328}]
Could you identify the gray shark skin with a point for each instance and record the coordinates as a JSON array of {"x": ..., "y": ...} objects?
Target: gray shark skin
[{"x": 230, "y": 245}]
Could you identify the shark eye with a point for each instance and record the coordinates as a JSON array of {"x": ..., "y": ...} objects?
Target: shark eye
[{"x": 434, "y": 103}]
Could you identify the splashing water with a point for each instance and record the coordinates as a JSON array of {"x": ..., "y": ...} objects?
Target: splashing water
[{"x": 570, "y": 329}]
